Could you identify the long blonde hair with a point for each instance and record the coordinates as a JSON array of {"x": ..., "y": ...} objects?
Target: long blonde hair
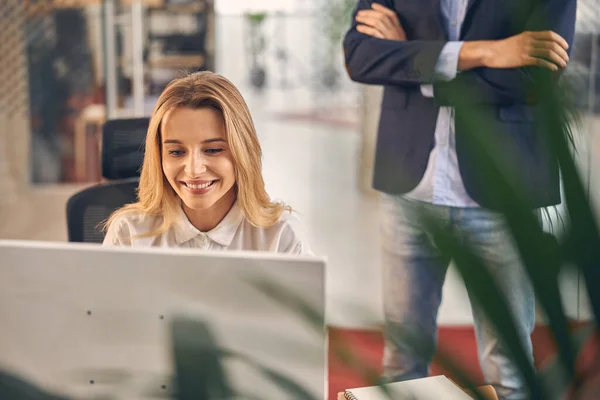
[{"x": 199, "y": 90}]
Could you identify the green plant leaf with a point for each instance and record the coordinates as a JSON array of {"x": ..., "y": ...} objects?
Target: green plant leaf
[
  {"x": 488, "y": 296},
  {"x": 256, "y": 18},
  {"x": 199, "y": 371},
  {"x": 540, "y": 252},
  {"x": 290, "y": 301},
  {"x": 284, "y": 382},
  {"x": 583, "y": 238},
  {"x": 553, "y": 375}
]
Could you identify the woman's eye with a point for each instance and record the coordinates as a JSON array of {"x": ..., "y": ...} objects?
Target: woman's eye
[
  {"x": 213, "y": 151},
  {"x": 175, "y": 152}
]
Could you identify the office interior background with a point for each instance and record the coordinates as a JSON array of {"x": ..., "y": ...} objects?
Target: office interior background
[{"x": 67, "y": 66}]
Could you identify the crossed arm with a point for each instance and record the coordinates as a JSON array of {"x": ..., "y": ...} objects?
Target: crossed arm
[{"x": 377, "y": 51}]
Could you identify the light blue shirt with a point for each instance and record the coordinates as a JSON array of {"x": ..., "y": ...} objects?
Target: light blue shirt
[{"x": 442, "y": 183}]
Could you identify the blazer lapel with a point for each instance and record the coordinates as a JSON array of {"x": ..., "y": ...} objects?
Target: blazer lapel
[
  {"x": 467, "y": 20},
  {"x": 436, "y": 8},
  {"x": 470, "y": 5}
]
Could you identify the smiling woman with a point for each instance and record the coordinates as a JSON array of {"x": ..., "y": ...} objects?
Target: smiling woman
[
  {"x": 198, "y": 163},
  {"x": 201, "y": 183}
]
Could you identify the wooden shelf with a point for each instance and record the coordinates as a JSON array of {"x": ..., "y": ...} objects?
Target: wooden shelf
[
  {"x": 75, "y": 3},
  {"x": 192, "y": 8},
  {"x": 183, "y": 9},
  {"x": 175, "y": 61},
  {"x": 36, "y": 8},
  {"x": 147, "y": 3}
]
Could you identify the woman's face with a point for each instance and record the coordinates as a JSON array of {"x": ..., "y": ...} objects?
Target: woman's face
[{"x": 196, "y": 158}]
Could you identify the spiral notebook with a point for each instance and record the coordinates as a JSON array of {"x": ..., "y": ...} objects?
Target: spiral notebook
[{"x": 431, "y": 388}]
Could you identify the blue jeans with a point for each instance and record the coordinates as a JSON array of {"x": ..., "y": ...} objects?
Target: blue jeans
[{"x": 413, "y": 275}]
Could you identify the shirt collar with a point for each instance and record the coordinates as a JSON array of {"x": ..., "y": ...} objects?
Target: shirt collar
[{"x": 222, "y": 234}]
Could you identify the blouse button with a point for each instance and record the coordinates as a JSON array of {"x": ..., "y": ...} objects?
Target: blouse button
[{"x": 201, "y": 240}]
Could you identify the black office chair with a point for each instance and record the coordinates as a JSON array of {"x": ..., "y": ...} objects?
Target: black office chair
[{"x": 122, "y": 157}]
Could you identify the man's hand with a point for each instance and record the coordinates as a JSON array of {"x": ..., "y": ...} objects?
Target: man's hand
[
  {"x": 380, "y": 22},
  {"x": 542, "y": 49}
]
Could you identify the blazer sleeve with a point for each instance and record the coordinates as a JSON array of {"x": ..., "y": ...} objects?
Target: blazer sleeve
[{"x": 388, "y": 62}]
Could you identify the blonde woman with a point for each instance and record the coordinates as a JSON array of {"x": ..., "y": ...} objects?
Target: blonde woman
[{"x": 201, "y": 184}]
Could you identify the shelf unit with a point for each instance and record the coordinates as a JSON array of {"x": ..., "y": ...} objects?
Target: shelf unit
[{"x": 178, "y": 37}]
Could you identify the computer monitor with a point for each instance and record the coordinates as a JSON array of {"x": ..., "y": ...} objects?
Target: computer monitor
[{"x": 85, "y": 321}]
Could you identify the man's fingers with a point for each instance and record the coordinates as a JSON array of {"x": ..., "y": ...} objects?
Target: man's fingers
[
  {"x": 391, "y": 14},
  {"x": 389, "y": 27},
  {"x": 550, "y": 36},
  {"x": 384, "y": 10},
  {"x": 552, "y": 47},
  {"x": 375, "y": 16},
  {"x": 540, "y": 62},
  {"x": 367, "y": 30},
  {"x": 548, "y": 55},
  {"x": 390, "y": 20},
  {"x": 373, "y": 22}
]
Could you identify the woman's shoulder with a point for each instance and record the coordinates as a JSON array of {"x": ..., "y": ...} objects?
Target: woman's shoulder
[
  {"x": 134, "y": 218},
  {"x": 289, "y": 219},
  {"x": 291, "y": 233},
  {"x": 128, "y": 223}
]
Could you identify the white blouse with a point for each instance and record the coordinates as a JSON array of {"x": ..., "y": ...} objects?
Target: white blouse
[{"x": 234, "y": 232}]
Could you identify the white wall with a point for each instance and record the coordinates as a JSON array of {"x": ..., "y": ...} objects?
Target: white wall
[{"x": 236, "y": 7}]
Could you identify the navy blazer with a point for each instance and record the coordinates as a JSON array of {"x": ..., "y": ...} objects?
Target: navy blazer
[{"x": 408, "y": 119}]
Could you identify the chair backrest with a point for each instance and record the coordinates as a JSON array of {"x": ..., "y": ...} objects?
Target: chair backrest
[
  {"x": 122, "y": 157},
  {"x": 123, "y": 147},
  {"x": 89, "y": 208}
]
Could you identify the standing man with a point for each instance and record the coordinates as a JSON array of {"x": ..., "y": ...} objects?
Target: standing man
[{"x": 423, "y": 52}]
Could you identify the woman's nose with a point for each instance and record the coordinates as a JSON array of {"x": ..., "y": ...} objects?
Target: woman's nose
[{"x": 195, "y": 164}]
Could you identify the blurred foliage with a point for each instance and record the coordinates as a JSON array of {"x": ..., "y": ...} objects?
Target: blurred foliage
[{"x": 256, "y": 18}]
